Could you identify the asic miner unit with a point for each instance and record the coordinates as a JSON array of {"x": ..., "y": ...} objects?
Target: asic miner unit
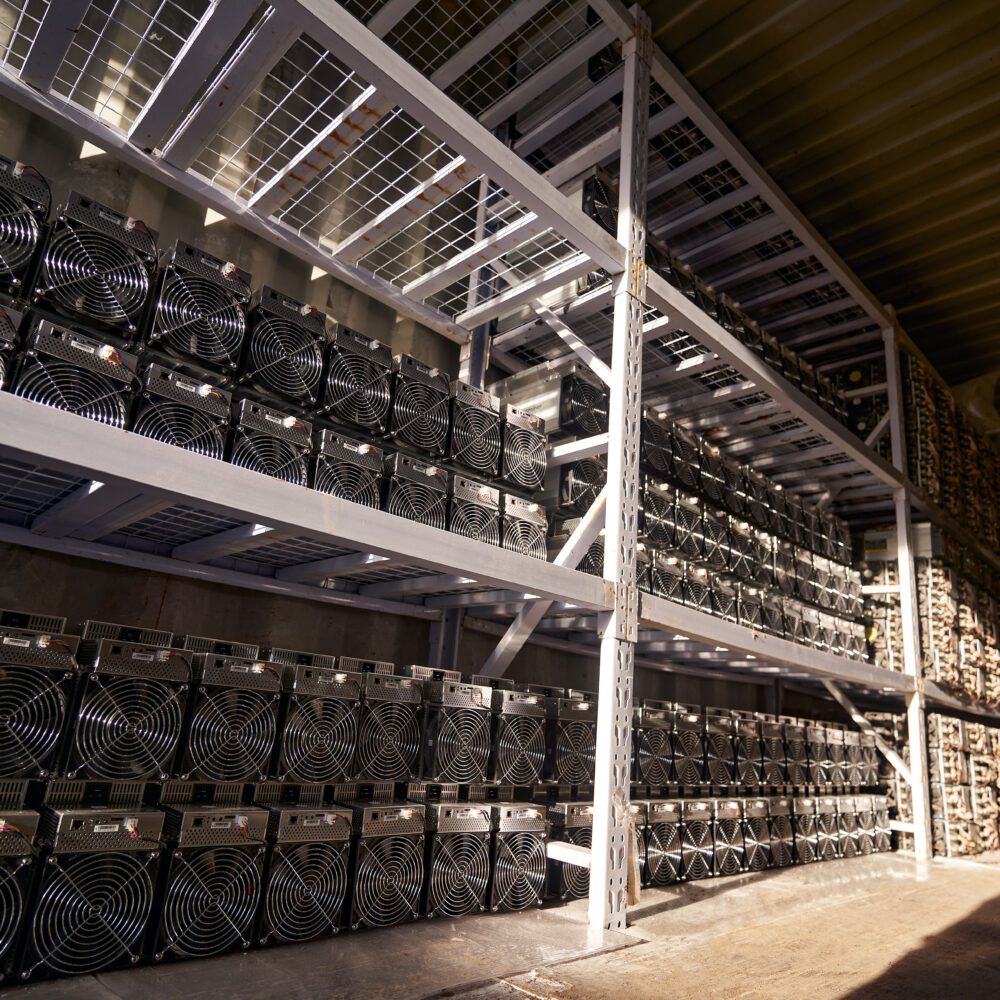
[
  {"x": 357, "y": 389},
  {"x": 474, "y": 442},
  {"x": 522, "y": 526},
  {"x": 572, "y": 822},
  {"x": 416, "y": 490},
  {"x": 419, "y": 406},
  {"x": 519, "y": 742},
  {"x": 349, "y": 469},
  {"x": 17, "y": 867},
  {"x": 391, "y": 729},
  {"x": 25, "y": 199},
  {"x": 458, "y": 858},
  {"x": 457, "y": 731},
  {"x": 519, "y": 859},
  {"x": 271, "y": 442},
  {"x": 663, "y": 842},
  {"x": 523, "y": 460}
]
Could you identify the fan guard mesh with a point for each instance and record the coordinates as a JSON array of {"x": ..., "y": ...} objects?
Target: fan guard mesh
[
  {"x": 460, "y": 873},
  {"x": 828, "y": 837},
  {"x": 420, "y": 415},
  {"x": 88, "y": 272},
  {"x": 305, "y": 891},
  {"x": 285, "y": 358},
  {"x": 729, "y": 848},
  {"x": 519, "y": 871},
  {"x": 197, "y": 317},
  {"x": 848, "y": 835},
  {"x": 696, "y": 849},
  {"x": 757, "y": 841},
  {"x": 231, "y": 734},
  {"x": 657, "y": 453},
  {"x": 11, "y": 902},
  {"x": 524, "y": 537},
  {"x": 417, "y": 503},
  {"x": 748, "y": 761},
  {"x": 576, "y": 880},
  {"x": 475, "y": 521},
  {"x": 798, "y": 762},
  {"x": 127, "y": 728},
  {"x": 658, "y": 517},
  {"x": 348, "y": 481},
  {"x": 585, "y": 407},
  {"x": 524, "y": 457},
  {"x": 79, "y": 390},
  {"x": 32, "y": 711},
  {"x": 181, "y": 426},
  {"x": 210, "y": 901},
  {"x": 357, "y": 390},
  {"x": 270, "y": 456},
  {"x": 475, "y": 438},
  {"x": 389, "y": 741},
  {"x": 782, "y": 840},
  {"x": 654, "y": 756},
  {"x": 689, "y": 757},
  {"x": 462, "y": 747},
  {"x": 582, "y": 482},
  {"x": 19, "y": 232},
  {"x": 319, "y": 740},
  {"x": 389, "y": 878},
  {"x": 520, "y": 749},
  {"x": 774, "y": 760},
  {"x": 91, "y": 912},
  {"x": 663, "y": 853},
  {"x": 720, "y": 758},
  {"x": 575, "y": 751}
]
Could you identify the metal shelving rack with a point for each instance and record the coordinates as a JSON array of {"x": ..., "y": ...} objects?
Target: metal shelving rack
[{"x": 368, "y": 138}]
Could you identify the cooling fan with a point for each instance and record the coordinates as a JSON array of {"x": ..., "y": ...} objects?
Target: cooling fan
[
  {"x": 580, "y": 483},
  {"x": 756, "y": 837},
  {"x": 654, "y": 756},
  {"x": 573, "y": 741},
  {"x": 10, "y": 320},
  {"x": 688, "y": 537},
  {"x": 806, "y": 831},
  {"x": 475, "y": 439},
  {"x": 686, "y": 453},
  {"x": 782, "y": 837},
  {"x": 667, "y": 577},
  {"x": 306, "y": 889},
  {"x": 730, "y": 851},
  {"x": 417, "y": 491},
  {"x": 388, "y": 880},
  {"x": 583, "y": 406},
  {"x": 518, "y": 871},
  {"x": 523, "y": 460},
  {"x": 519, "y": 741},
  {"x": 689, "y": 755},
  {"x": 847, "y": 828},
  {"x": 474, "y": 510},
  {"x": 390, "y": 733},
  {"x": 796, "y": 755},
  {"x": 749, "y": 754},
  {"x": 773, "y": 747},
  {"x": 210, "y": 901},
  {"x": 883, "y": 832},
  {"x": 575, "y": 880},
  {"x": 351, "y": 470},
  {"x": 865, "y": 826},
  {"x": 272, "y": 443},
  {"x": 419, "y": 405},
  {"x": 460, "y": 874},
  {"x": 71, "y": 372},
  {"x": 24, "y": 203},
  {"x": 663, "y": 844},
  {"x": 98, "y": 265},
  {"x": 656, "y": 454},
  {"x": 719, "y": 755},
  {"x": 284, "y": 350},
  {"x": 461, "y": 745},
  {"x": 658, "y": 514},
  {"x": 90, "y": 912},
  {"x": 600, "y": 201},
  {"x": 523, "y": 527},
  {"x": 358, "y": 384},
  {"x": 320, "y": 735},
  {"x": 14, "y": 876},
  {"x": 827, "y": 835},
  {"x": 697, "y": 848},
  {"x": 201, "y": 308}
]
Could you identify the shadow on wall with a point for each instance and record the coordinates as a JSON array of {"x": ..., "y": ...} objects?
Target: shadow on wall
[{"x": 962, "y": 962}]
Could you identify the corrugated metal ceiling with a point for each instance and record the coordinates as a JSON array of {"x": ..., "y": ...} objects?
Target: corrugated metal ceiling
[{"x": 881, "y": 120}]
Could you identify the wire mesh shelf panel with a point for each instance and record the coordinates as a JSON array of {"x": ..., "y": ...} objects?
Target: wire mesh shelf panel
[{"x": 27, "y": 491}]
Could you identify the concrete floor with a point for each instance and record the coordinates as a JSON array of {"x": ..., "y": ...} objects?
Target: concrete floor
[{"x": 865, "y": 929}]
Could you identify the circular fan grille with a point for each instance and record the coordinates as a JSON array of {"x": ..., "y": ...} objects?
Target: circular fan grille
[
  {"x": 520, "y": 750},
  {"x": 524, "y": 457},
  {"x": 696, "y": 849},
  {"x": 475, "y": 439},
  {"x": 474, "y": 521},
  {"x": 127, "y": 728},
  {"x": 199, "y": 317},
  {"x": 519, "y": 872},
  {"x": 757, "y": 840},
  {"x": 748, "y": 761},
  {"x": 576, "y": 880},
  {"x": 575, "y": 752},
  {"x": 286, "y": 358},
  {"x": 32, "y": 710},
  {"x": 729, "y": 847},
  {"x": 319, "y": 740},
  {"x": 782, "y": 840},
  {"x": 418, "y": 503},
  {"x": 720, "y": 759},
  {"x": 91, "y": 911},
  {"x": 656, "y": 451},
  {"x": 460, "y": 871},
  {"x": 11, "y": 903},
  {"x": 462, "y": 747},
  {"x": 827, "y": 837},
  {"x": 388, "y": 881},
  {"x": 585, "y": 407},
  {"x": 689, "y": 757},
  {"x": 305, "y": 891},
  {"x": 711, "y": 480},
  {"x": 524, "y": 537},
  {"x": 593, "y": 559},
  {"x": 658, "y": 517},
  {"x": 91, "y": 273},
  {"x": 389, "y": 741},
  {"x": 797, "y": 762},
  {"x": 78, "y": 390},
  {"x": 688, "y": 528},
  {"x": 582, "y": 482},
  {"x": 350, "y": 482},
  {"x": 848, "y": 835},
  {"x": 866, "y": 834},
  {"x": 19, "y": 231},
  {"x": 654, "y": 756},
  {"x": 420, "y": 415},
  {"x": 883, "y": 837},
  {"x": 817, "y": 764},
  {"x": 774, "y": 761},
  {"x": 231, "y": 734},
  {"x": 182, "y": 427},
  {"x": 357, "y": 390},
  {"x": 270, "y": 456},
  {"x": 805, "y": 839},
  {"x": 668, "y": 585},
  {"x": 210, "y": 901},
  {"x": 663, "y": 853}
]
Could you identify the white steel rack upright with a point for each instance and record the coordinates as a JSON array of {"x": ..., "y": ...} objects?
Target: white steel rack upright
[{"x": 360, "y": 136}]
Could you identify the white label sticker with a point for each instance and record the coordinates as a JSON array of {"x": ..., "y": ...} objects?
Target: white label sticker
[
  {"x": 186, "y": 386},
  {"x": 239, "y": 668},
  {"x": 222, "y": 824},
  {"x": 80, "y": 346},
  {"x": 311, "y": 821},
  {"x": 105, "y": 828},
  {"x": 272, "y": 419},
  {"x": 147, "y": 657},
  {"x": 9, "y": 640}
]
